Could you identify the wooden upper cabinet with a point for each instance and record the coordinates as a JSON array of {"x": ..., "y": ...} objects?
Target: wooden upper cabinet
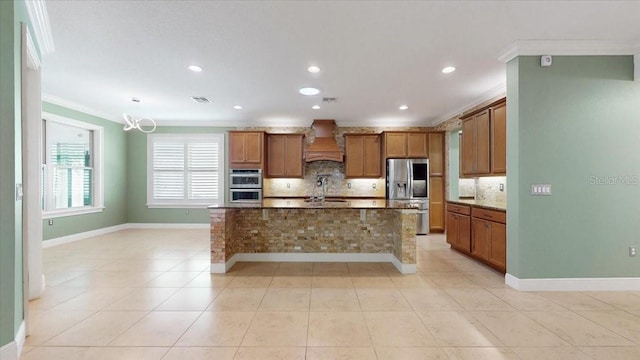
[
  {"x": 246, "y": 148},
  {"x": 284, "y": 155},
  {"x": 475, "y": 144},
  {"x": 395, "y": 145},
  {"x": 499, "y": 139},
  {"x": 417, "y": 145},
  {"x": 436, "y": 153},
  {"x": 405, "y": 145},
  {"x": 362, "y": 155},
  {"x": 484, "y": 141}
]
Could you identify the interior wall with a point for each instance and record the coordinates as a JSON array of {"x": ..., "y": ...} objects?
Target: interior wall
[
  {"x": 573, "y": 125},
  {"x": 454, "y": 163},
  {"x": 115, "y": 179},
  {"x": 136, "y": 189},
  {"x": 11, "y": 294}
]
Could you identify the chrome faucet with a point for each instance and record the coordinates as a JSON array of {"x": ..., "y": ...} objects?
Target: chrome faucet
[{"x": 322, "y": 182}]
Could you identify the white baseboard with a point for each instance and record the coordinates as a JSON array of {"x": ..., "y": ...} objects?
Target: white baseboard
[
  {"x": 573, "y": 284},
  {"x": 12, "y": 350},
  {"x": 167, "y": 226},
  {"x": 220, "y": 268},
  {"x": 81, "y": 236},
  {"x": 106, "y": 230}
]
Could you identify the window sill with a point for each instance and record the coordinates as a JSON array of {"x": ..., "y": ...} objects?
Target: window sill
[
  {"x": 71, "y": 212},
  {"x": 180, "y": 206}
]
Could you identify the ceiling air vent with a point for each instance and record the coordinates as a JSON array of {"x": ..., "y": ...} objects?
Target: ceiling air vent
[
  {"x": 200, "y": 99},
  {"x": 329, "y": 99}
]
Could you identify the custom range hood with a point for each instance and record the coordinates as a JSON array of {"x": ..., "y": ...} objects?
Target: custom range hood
[{"x": 324, "y": 146}]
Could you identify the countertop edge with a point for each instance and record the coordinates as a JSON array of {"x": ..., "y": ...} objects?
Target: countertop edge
[{"x": 473, "y": 203}]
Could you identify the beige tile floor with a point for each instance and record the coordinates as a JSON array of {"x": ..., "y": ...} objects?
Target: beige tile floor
[{"x": 148, "y": 294}]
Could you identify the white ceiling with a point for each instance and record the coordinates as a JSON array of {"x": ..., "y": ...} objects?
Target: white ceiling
[{"x": 374, "y": 56}]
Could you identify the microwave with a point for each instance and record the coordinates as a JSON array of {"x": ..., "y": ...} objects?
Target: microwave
[
  {"x": 245, "y": 179},
  {"x": 245, "y": 195}
]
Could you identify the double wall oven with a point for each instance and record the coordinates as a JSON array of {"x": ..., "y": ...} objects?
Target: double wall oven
[{"x": 245, "y": 185}]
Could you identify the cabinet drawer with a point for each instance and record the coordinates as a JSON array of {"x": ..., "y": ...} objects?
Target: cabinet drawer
[
  {"x": 460, "y": 209},
  {"x": 491, "y": 215}
]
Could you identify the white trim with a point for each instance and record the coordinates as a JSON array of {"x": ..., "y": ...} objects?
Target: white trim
[
  {"x": 81, "y": 108},
  {"x": 636, "y": 67},
  {"x": 168, "y": 226},
  {"x": 12, "y": 350},
  {"x": 234, "y": 124},
  {"x": 574, "y": 284},
  {"x": 33, "y": 60},
  {"x": 83, "y": 235},
  {"x": 39, "y": 18},
  {"x": 106, "y": 230},
  {"x": 219, "y": 268},
  {"x": 566, "y": 48},
  {"x": 72, "y": 212},
  {"x": 497, "y": 91}
]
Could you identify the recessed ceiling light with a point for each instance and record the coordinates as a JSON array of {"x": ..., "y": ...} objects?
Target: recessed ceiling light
[
  {"x": 448, "y": 69},
  {"x": 315, "y": 107},
  {"x": 237, "y": 107},
  {"x": 403, "y": 107},
  {"x": 309, "y": 91},
  {"x": 195, "y": 68},
  {"x": 313, "y": 69}
]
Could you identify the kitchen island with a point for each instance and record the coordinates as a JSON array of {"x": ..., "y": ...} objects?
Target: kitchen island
[{"x": 334, "y": 230}]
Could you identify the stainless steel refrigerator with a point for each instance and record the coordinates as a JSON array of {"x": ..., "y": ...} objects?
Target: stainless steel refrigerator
[{"x": 408, "y": 180}]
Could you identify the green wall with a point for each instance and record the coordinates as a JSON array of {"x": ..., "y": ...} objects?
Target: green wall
[
  {"x": 454, "y": 163},
  {"x": 573, "y": 125},
  {"x": 11, "y": 309},
  {"x": 115, "y": 180},
  {"x": 137, "y": 180}
]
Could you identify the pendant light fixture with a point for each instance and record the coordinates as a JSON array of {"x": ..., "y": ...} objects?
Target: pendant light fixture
[{"x": 146, "y": 125}]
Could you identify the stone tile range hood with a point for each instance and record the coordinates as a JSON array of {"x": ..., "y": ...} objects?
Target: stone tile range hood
[{"x": 324, "y": 146}]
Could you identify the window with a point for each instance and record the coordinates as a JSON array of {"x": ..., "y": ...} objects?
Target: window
[
  {"x": 71, "y": 167},
  {"x": 185, "y": 170}
]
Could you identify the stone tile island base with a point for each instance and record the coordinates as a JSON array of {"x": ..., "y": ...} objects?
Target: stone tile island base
[{"x": 313, "y": 235}]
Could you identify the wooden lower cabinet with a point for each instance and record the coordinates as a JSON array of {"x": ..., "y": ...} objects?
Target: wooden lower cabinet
[
  {"x": 478, "y": 232},
  {"x": 459, "y": 231}
]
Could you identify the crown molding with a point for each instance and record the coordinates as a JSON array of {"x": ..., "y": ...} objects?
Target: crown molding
[
  {"x": 498, "y": 91},
  {"x": 81, "y": 108},
  {"x": 567, "y": 48},
  {"x": 39, "y": 18},
  {"x": 205, "y": 123}
]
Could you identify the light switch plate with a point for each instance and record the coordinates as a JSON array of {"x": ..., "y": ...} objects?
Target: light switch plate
[{"x": 541, "y": 189}]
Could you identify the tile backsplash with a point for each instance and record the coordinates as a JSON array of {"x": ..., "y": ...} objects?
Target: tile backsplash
[{"x": 484, "y": 188}]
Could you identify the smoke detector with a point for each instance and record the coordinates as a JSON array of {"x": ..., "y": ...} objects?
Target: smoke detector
[
  {"x": 329, "y": 99},
  {"x": 200, "y": 99}
]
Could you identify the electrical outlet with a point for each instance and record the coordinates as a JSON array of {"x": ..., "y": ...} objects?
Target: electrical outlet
[
  {"x": 373, "y": 185},
  {"x": 501, "y": 187},
  {"x": 186, "y": 212},
  {"x": 632, "y": 251},
  {"x": 348, "y": 185},
  {"x": 288, "y": 186},
  {"x": 297, "y": 247},
  {"x": 50, "y": 221}
]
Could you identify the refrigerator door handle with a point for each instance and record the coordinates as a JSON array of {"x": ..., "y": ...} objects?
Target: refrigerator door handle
[{"x": 409, "y": 194}]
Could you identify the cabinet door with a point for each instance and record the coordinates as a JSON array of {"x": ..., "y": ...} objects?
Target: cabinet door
[
  {"x": 236, "y": 147},
  {"x": 253, "y": 147},
  {"x": 396, "y": 145},
  {"x": 293, "y": 156},
  {"x": 480, "y": 238},
  {"x": 354, "y": 154},
  {"x": 468, "y": 157},
  {"x": 436, "y": 154},
  {"x": 499, "y": 139},
  {"x": 452, "y": 229},
  {"x": 464, "y": 233},
  {"x": 482, "y": 143},
  {"x": 417, "y": 145},
  {"x": 498, "y": 253},
  {"x": 436, "y": 204},
  {"x": 371, "y": 156},
  {"x": 275, "y": 155}
]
